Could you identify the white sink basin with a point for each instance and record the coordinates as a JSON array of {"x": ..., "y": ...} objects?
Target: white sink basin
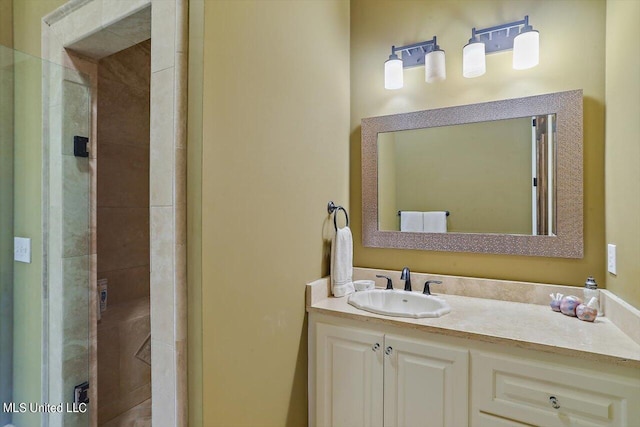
[{"x": 399, "y": 303}]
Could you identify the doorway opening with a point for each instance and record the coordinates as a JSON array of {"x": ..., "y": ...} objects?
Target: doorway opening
[{"x": 123, "y": 254}]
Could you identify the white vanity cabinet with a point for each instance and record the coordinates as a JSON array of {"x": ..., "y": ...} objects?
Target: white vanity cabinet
[
  {"x": 365, "y": 378},
  {"x": 366, "y": 374}
]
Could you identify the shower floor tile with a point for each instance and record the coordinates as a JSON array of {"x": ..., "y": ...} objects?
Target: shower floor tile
[{"x": 138, "y": 416}]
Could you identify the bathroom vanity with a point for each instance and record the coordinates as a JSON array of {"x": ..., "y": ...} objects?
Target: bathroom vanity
[{"x": 487, "y": 363}]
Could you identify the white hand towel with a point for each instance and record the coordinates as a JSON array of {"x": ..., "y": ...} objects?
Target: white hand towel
[
  {"x": 342, "y": 263},
  {"x": 411, "y": 221},
  {"x": 435, "y": 222}
]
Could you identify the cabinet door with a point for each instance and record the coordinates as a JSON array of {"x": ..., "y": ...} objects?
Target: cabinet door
[
  {"x": 349, "y": 377},
  {"x": 425, "y": 384}
]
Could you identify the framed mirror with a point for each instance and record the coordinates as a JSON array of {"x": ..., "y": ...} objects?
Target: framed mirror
[{"x": 501, "y": 177}]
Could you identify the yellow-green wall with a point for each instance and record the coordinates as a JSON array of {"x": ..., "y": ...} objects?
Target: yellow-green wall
[
  {"x": 27, "y": 279},
  {"x": 479, "y": 172},
  {"x": 622, "y": 156},
  {"x": 275, "y": 151},
  {"x": 6, "y": 205},
  {"x": 6, "y": 23},
  {"x": 27, "y": 23},
  {"x": 564, "y": 65},
  {"x": 387, "y": 182},
  {"x": 27, "y": 15}
]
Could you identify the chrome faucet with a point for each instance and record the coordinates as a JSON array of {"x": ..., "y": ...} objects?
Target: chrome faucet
[{"x": 406, "y": 276}]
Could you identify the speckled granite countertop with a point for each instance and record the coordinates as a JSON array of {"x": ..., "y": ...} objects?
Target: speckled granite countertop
[{"x": 524, "y": 325}]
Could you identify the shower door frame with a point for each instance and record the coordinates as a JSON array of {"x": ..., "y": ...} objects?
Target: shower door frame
[{"x": 96, "y": 29}]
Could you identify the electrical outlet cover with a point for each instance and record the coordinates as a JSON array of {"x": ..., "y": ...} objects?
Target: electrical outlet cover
[
  {"x": 611, "y": 259},
  {"x": 22, "y": 249}
]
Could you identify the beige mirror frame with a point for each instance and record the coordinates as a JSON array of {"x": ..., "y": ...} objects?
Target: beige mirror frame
[{"x": 568, "y": 240}]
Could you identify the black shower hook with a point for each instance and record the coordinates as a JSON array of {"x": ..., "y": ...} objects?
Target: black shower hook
[{"x": 331, "y": 208}]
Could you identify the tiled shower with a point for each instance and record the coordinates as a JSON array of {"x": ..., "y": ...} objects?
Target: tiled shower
[{"x": 124, "y": 343}]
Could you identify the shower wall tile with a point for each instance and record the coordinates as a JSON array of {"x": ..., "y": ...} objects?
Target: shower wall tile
[
  {"x": 140, "y": 416},
  {"x": 100, "y": 44},
  {"x": 162, "y": 274},
  {"x": 75, "y": 310},
  {"x": 163, "y": 35},
  {"x": 75, "y": 371},
  {"x": 181, "y": 300},
  {"x": 80, "y": 24},
  {"x": 76, "y": 271},
  {"x": 127, "y": 284},
  {"x": 182, "y": 410},
  {"x": 134, "y": 372},
  {"x": 180, "y": 95},
  {"x": 76, "y": 115},
  {"x": 123, "y": 114},
  {"x": 123, "y": 176},
  {"x": 114, "y": 10},
  {"x": 125, "y": 380},
  {"x": 162, "y": 133},
  {"x": 54, "y": 91},
  {"x": 163, "y": 389},
  {"x": 180, "y": 191},
  {"x": 130, "y": 68},
  {"x": 93, "y": 213},
  {"x": 76, "y": 236},
  {"x": 54, "y": 143},
  {"x": 136, "y": 27},
  {"x": 123, "y": 238},
  {"x": 109, "y": 354}
]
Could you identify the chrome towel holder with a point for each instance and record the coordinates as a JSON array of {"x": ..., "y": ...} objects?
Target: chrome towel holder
[{"x": 332, "y": 208}]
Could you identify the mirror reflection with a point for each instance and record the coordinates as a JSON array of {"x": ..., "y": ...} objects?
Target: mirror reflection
[{"x": 486, "y": 177}]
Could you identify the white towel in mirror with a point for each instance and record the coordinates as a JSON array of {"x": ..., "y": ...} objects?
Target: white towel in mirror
[
  {"x": 411, "y": 221},
  {"x": 434, "y": 222}
]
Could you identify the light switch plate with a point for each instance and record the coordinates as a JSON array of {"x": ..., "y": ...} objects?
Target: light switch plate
[
  {"x": 611, "y": 259},
  {"x": 22, "y": 249}
]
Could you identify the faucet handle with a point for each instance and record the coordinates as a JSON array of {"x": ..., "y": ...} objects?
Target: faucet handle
[
  {"x": 427, "y": 291},
  {"x": 389, "y": 281}
]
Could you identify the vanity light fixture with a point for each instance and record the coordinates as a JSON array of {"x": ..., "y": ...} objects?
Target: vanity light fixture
[
  {"x": 518, "y": 35},
  {"x": 426, "y": 53}
]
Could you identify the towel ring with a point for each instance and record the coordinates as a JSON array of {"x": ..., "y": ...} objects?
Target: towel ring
[{"x": 332, "y": 208}]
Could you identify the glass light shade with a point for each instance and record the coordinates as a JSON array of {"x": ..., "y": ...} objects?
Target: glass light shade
[
  {"x": 526, "y": 50},
  {"x": 473, "y": 60},
  {"x": 393, "y": 78},
  {"x": 434, "y": 66}
]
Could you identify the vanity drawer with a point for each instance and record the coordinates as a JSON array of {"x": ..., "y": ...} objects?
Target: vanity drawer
[
  {"x": 489, "y": 420},
  {"x": 538, "y": 393}
]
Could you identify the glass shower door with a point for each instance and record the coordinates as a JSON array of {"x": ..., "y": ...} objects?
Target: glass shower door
[
  {"x": 6, "y": 231},
  {"x": 45, "y": 198}
]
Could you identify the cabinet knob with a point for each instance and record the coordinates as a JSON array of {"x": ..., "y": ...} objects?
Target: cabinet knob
[
  {"x": 554, "y": 402},
  {"x": 388, "y": 351},
  {"x": 375, "y": 347}
]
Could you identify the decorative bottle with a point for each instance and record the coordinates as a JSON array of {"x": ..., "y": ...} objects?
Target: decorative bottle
[{"x": 591, "y": 291}]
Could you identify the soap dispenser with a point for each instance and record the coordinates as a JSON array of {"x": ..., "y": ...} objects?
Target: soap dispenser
[{"x": 591, "y": 291}]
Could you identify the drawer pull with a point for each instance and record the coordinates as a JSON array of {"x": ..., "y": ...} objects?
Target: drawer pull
[
  {"x": 375, "y": 347},
  {"x": 388, "y": 351},
  {"x": 554, "y": 402}
]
